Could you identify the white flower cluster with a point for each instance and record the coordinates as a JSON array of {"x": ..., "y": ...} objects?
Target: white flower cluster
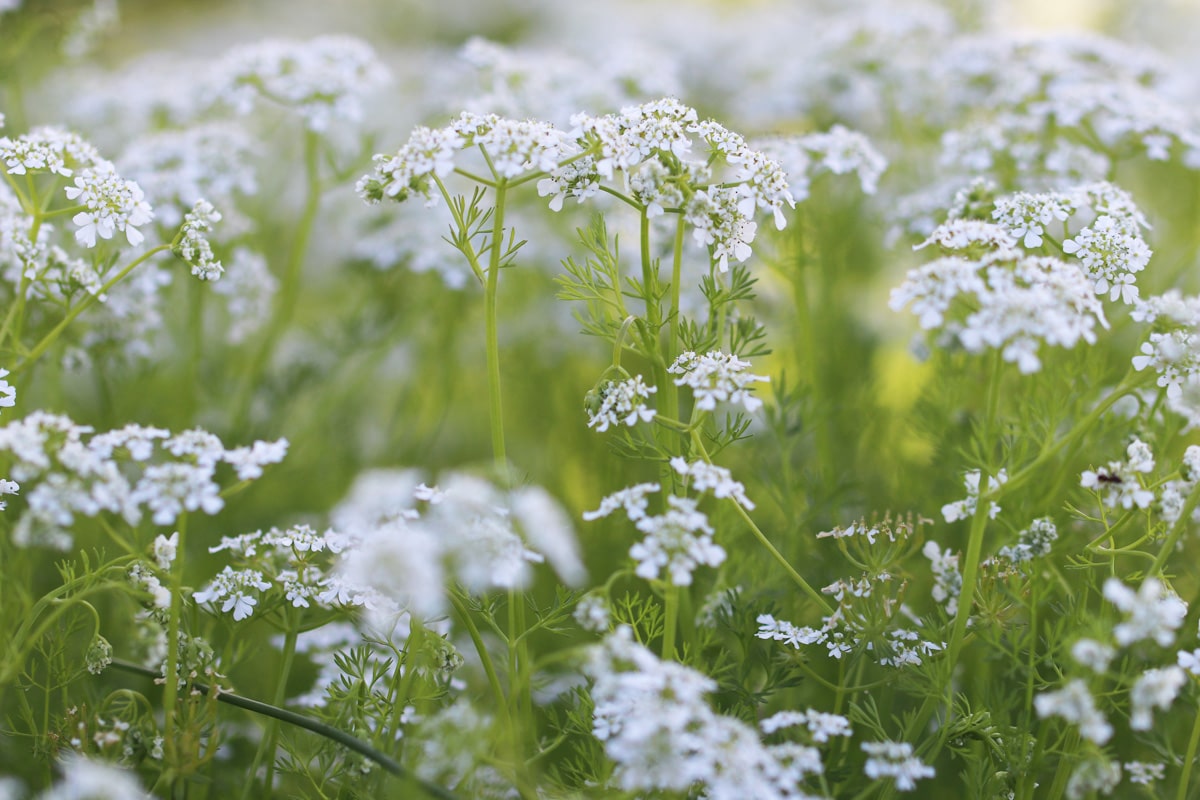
[
  {"x": 965, "y": 509},
  {"x": 677, "y": 541},
  {"x": 176, "y": 168},
  {"x": 47, "y": 149},
  {"x": 858, "y": 623},
  {"x": 1119, "y": 483},
  {"x": 1074, "y": 703},
  {"x": 821, "y": 726},
  {"x": 1004, "y": 300},
  {"x": 838, "y": 150},
  {"x": 662, "y": 735},
  {"x": 117, "y": 472},
  {"x": 549, "y": 84},
  {"x": 717, "y": 377},
  {"x": 283, "y": 560},
  {"x": 193, "y": 247},
  {"x": 1060, "y": 106},
  {"x": 621, "y": 403},
  {"x": 947, "y": 579},
  {"x": 325, "y": 79},
  {"x": 111, "y": 204},
  {"x": 1110, "y": 249},
  {"x": 1173, "y": 350},
  {"x": 895, "y": 760},
  {"x": 707, "y": 477},
  {"x": 1033, "y": 542},
  {"x": 514, "y": 147},
  {"x": 396, "y": 556},
  {"x": 1152, "y": 612},
  {"x": 651, "y": 145}
]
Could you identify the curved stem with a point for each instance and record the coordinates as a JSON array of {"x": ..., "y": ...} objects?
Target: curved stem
[
  {"x": 307, "y": 723},
  {"x": 87, "y": 302},
  {"x": 804, "y": 585}
]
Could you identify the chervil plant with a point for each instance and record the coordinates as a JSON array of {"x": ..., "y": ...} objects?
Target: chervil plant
[{"x": 631, "y": 404}]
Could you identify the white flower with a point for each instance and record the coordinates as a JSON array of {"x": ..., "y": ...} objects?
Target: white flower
[
  {"x": 111, "y": 204},
  {"x": 716, "y": 377},
  {"x": 1152, "y": 612},
  {"x": 707, "y": 477},
  {"x": 676, "y": 541},
  {"x": 965, "y": 509},
  {"x": 84, "y": 779},
  {"x": 8, "y": 394},
  {"x": 193, "y": 247},
  {"x": 621, "y": 404},
  {"x": 632, "y": 499},
  {"x": 895, "y": 760},
  {"x": 1156, "y": 688},
  {"x": 237, "y": 589},
  {"x": 1075, "y": 703},
  {"x": 1093, "y": 654},
  {"x": 165, "y": 550}
]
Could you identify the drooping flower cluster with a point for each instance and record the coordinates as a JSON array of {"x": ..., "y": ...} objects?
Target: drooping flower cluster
[
  {"x": 68, "y": 472},
  {"x": 659, "y": 730},
  {"x": 192, "y": 245},
  {"x": 404, "y": 544}
]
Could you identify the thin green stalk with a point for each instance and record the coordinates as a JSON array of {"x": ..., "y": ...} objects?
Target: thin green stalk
[
  {"x": 266, "y": 746},
  {"x": 87, "y": 302},
  {"x": 670, "y": 619},
  {"x": 1189, "y": 759},
  {"x": 804, "y": 585},
  {"x": 495, "y": 405},
  {"x": 1181, "y": 524},
  {"x": 289, "y": 289},
  {"x": 171, "y": 684},
  {"x": 489, "y": 669}
]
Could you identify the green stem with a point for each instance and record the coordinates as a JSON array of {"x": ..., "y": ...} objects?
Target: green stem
[
  {"x": 87, "y": 302},
  {"x": 289, "y": 290},
  {"x": 266, "y": 746},
  {"x": 1188, "y": 760},
  {"x": 804, "y": 585},
  {"x": 489, "y": 669},
  {"x": 670, "y": 619},
  {"x": 496, "y": 409},
  {"x": 171, "y": 684},
  {"x": 1181, "y": 524},
  {"x": 300, "y": 721}
]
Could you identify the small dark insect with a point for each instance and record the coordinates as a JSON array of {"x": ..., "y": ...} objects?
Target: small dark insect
[{"x": 1103, "y": 478}]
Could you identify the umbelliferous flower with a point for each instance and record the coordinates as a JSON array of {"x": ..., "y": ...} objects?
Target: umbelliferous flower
[
  {"x": 111, "y": 204},
  {"x": 621, "y": 403},
  {"x": 1075, "y": 703},
  {"x": 895, "y": 760},
  {"x": 716, "y": 377}
]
